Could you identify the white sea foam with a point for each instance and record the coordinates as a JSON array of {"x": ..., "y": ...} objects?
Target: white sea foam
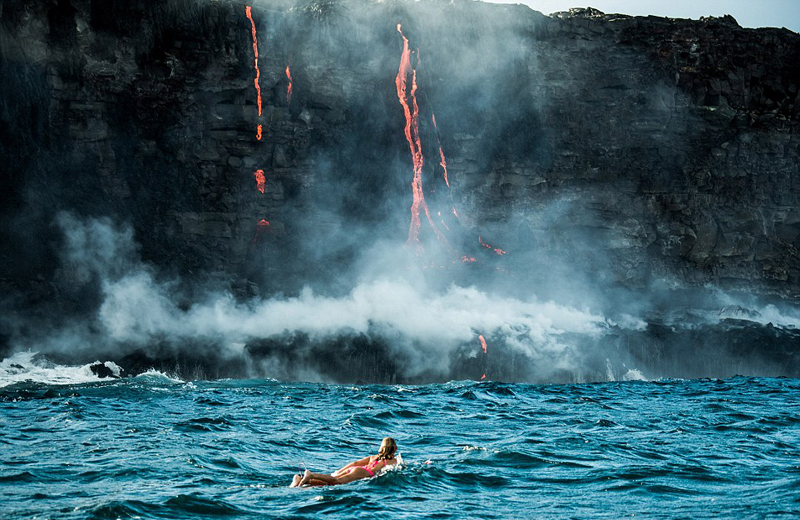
[
  {"x": 156, "y": 376},
  {"x": 633, "y": 375},
  {"x": 27, "y": 367}
]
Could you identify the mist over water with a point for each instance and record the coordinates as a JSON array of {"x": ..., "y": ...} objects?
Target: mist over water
[{"x": 422, "y": 324}]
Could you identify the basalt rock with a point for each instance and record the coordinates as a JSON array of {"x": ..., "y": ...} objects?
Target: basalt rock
[
  {"x": 613, "y": 149},
  {"x": 102, "y": 370},
  {"x": 668, "y": 147}
]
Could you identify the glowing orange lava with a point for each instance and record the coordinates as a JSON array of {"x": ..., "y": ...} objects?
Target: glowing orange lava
[
  {"x": 289, "y": 88},
  {"x": 411, "y": 132},
  {"x": 442, "y": 162},
  {"x": 483, "y": 343},
  {"x": 249, "y": 13},
  {"x": 497, "y": 250},
  {"x": 258, "y": 132},
  {"x": 261, "y": 227},
  {"x": 261, "y": 183}
]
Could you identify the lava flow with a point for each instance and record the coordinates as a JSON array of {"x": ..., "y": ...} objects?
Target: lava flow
[
  {"x": 411, "y": 132},
  {"x": 261, "y": 182},
  {"x": 289, "y": 88},
  {"x": 249, "y": 13},
  {"x": 497, "y": 250},
  {"x": 261, "y": 228},
  {"x": 442, "y": 162}
]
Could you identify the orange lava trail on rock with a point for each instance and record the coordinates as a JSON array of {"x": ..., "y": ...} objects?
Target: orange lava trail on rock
[
  {"x": 261, "y": 227},
  {"x": 261, "y": 183},
  {"x": 289, "y": 88},
  {"x": 497, "y": 250},
  {"x": 258, "y": 132},
  {"x": 442, "y": 161},
  {"x": 411, "y": 132},
  {"x": 249, "y": 12}
]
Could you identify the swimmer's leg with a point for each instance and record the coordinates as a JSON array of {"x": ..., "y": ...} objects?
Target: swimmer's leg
[
  {"x": 325, "y": 479},
  {"x": 316, "y": 483},
  {"x": 295, "y": 481}
]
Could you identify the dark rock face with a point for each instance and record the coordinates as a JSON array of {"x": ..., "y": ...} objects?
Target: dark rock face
[
  {"x": 102, "y": 370},
  {"x": 620, "y": 149},
  {"x": 671, "y": 143}
]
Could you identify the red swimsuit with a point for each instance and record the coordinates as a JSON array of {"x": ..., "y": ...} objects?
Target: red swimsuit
[{"x": 369, "y": 467}]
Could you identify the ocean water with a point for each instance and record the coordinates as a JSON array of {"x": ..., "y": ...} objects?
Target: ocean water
[{"x": 157, "y": 447}]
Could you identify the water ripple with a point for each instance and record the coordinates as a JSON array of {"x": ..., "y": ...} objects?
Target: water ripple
[{"x": 153, "y": 447}]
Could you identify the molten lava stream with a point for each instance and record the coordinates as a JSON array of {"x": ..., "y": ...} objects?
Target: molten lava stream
[
  {"x": 261, "y": 227},
  {"x": 261, "y": 182},
  {"x": 249, "y": 12},
  {"x": 442, "y": 161},
  {"x": 289, "y": 87},
  {"x": 497, "y": 250},
  {"x": 411, "y": 132}
]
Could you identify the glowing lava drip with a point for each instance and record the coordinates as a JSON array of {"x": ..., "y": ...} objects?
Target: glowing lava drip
[
  {"x": 497, "y": 250},
  {"x": 249, "y": 13},
  {"x": 483, "y": 346},
  {"x": 289, "y": 88},
  {"x": 414, "y": 143},
  {"x": 261, "y": 182},
  {"x": 261, "y": 228},
  {"x": 263, "y": 225},
  {"x": 442, "y": 162}
]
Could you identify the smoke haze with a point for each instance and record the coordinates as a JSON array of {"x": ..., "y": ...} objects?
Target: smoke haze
[{"x": 275, "y": 241}]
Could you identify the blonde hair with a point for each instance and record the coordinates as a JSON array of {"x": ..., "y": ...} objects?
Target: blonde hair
[{"x": 388, "y": 448}]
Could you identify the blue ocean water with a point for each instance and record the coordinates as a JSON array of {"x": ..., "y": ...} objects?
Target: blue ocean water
[{"x": 155, "y": 447}]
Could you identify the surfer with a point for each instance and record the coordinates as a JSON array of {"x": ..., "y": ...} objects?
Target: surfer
[{"x": 362, "y": 468}]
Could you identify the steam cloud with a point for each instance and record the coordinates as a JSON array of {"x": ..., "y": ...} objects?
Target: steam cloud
[
  {"x": 427, "y": 326},
  {"x": 553, "y": 317}
]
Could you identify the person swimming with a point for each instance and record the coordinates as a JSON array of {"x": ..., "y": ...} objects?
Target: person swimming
[{"x": 356, "y": 470}]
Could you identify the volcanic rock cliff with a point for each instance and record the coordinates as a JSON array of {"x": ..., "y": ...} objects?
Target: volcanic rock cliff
[
  {"x": 672, "y": 145},
  {"x": 637, "y": 150}
]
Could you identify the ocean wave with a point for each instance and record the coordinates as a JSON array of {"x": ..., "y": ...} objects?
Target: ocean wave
[{"x": 29, "y": 367}]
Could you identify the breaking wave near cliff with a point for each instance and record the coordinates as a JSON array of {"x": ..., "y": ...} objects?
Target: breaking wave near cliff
[{"x": 394, "y": 324}]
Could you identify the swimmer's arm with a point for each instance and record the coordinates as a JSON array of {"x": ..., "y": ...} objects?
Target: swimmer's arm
[{"x": 360, "y": 462}]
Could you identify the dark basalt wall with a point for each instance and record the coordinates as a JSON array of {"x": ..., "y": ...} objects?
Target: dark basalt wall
[
  {"x": 597, "y": 150},
  {"x": 647, "y": 148}
]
